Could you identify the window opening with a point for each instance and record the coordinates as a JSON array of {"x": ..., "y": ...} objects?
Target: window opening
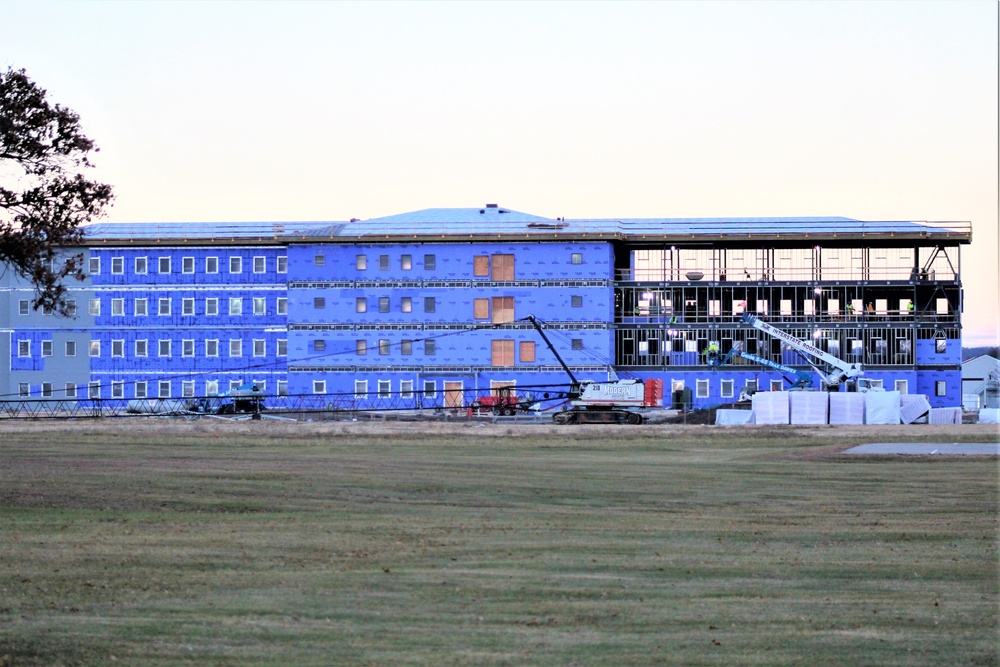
[
  {"x": 502, "y": 353},
  {"x": 503, "y": 267},
  {"x": 503, "y": 309}
]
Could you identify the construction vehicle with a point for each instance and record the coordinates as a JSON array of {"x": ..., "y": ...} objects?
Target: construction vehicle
[
  {"x": 612, "y": 402},
  {"x": 503, "y": 401},
  {"x": 802, "y": 379},
  {"x": 244, "y": 399},
  {"x": 835, "y": 373}
]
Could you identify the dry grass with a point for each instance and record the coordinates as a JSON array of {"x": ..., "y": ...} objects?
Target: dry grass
[{"x": 163, "y": 543}]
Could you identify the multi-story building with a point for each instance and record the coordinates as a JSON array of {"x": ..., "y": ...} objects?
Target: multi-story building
[{"x": 428, "y": 307}]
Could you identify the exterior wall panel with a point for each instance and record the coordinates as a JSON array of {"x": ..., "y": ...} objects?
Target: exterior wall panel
[{"x": 650, "y": 321}]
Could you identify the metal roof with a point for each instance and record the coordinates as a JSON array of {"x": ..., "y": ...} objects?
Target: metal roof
[
  {"x": 488, "y": 220},
  {"x": 490, "y": 214},
  {"x": 792, "y": 228},
  {"x": 165, "y": 232},
  {"x": 492, "y": 222}
]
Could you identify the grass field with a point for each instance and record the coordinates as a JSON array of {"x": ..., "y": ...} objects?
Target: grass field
[{"x": 210, "y": 543}]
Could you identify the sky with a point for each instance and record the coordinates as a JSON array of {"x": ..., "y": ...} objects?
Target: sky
[{"x": 240, "y": 111}]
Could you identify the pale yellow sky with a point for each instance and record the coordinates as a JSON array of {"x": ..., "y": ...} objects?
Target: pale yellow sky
[{"x": 327, "y": 111}]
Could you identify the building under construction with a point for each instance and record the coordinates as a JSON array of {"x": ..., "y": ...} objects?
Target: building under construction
[{"x": 426, "y": 309}]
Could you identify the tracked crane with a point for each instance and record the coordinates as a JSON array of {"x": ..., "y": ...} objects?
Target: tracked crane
[{"x": 614, "y": 402}]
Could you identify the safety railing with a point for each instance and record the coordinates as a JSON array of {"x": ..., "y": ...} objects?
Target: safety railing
[{"x": 783, "y": 274}]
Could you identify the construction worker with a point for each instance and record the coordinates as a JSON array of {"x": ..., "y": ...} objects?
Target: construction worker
[
  {"x": 713, "y": 353},
  {"x": 909, "y": 309}
]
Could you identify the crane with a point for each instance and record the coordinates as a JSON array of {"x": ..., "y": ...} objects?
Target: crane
[
  {"x": 803, "y": 379},
  {"x": 616, "y": 402},
  {"x": 838, "y": 371}
]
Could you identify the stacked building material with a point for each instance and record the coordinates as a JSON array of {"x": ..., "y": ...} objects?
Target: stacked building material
[
  {"x": 809, "y": 407},
  {"x": 771, "y": 407},
  {"x": 847, "y": 408},
  {"x": 882, "y": 407}
]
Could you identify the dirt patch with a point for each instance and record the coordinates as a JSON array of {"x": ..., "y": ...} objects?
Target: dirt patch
[{"x": 139, "y": 427}]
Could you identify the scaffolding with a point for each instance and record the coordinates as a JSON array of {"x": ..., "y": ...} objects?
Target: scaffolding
[{"x": 869, "y": 305}]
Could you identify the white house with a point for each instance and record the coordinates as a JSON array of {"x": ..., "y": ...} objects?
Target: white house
[{"x": 975, "y": 373}]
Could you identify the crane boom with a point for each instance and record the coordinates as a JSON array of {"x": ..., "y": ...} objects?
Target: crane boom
[
  {"x": 618, "y": 401},
  {"x": 840, "y": 371},
  {"x": 802, "y": 378},
  {"x": 541, "y": 332}
]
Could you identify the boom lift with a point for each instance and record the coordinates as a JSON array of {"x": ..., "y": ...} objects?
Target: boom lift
[
  {"x": 803, "y": 379},
  {"x": 614, "y": 402},
  {"x": 837, "y": 371}
]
